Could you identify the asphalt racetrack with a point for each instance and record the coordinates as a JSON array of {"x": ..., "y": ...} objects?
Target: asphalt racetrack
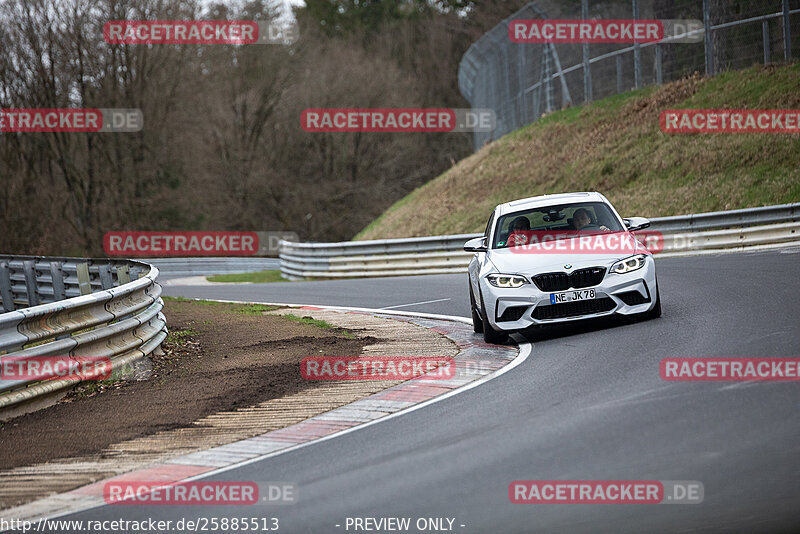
[{"x": 587, "y": 404}]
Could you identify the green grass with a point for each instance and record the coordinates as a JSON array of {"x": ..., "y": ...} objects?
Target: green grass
[
  {"x": 88, "y": 388},
  {"x": 615, "y": 146},
  {"x": 254, "y": 309},
  {"x": 259, "y": 277},
  {"x": 228, "y": 307},
  {"x": 178, "y": 337},
  {"x": 319, "y": 324},
  {"x": 248, "y": 309}
]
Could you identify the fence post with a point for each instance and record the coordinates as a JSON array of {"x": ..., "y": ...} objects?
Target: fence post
[
  {"x": 523, "y": 104},
  {"x": 619, "y": 73},
  {"x": 765, "y": 37},
  {"x": 587, "y": 72},
  {"x": 548, "y": 80},
  {"x": 637, "y": 53},
  {"x": 659, "y": 74},
  {"x": 707, "y": 38},
  {"x": 787, "y": 35},
  {"x": 565, "y": 96},
  {"x": 506, "y": 69}
]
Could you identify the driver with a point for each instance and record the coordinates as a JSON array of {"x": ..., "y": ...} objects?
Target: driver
[
  {"x": 520, "y": 224},
  {"x": 583, "y": 219},
  {"x": 516, "y": 229}
]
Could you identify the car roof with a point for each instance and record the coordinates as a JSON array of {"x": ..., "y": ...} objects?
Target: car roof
[{"x": 547, "y": 200}]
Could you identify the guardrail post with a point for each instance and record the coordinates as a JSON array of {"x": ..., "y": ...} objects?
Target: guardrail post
[
  {"x": 619, "y": 73},
  {"x": 123, "y": 275},
  {"x": 106, "y": 281},
  {"x": 787, "y": 32},
  {"x": 5, "y": 287},
  {"x": 57, "y": 274},
  {"x": 587, "y": 68},
  {"x": 707, "y": 38},
  {"x": 29, "y": 268},
  {"x": 637, "y": 52},
  {"x": 84, "y": 282}
]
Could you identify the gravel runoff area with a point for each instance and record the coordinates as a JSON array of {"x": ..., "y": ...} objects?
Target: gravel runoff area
[{"x": 228, "y": 372}]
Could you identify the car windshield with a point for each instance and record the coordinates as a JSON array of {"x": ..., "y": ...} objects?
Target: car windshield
[{"x": 563, "y": 219}]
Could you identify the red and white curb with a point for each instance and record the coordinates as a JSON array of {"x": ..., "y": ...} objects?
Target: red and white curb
[{"x": 476, "y": 363}]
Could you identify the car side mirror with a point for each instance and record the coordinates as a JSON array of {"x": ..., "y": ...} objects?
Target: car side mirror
[
  {"x": 636, "y": 223},
  {"x": 477, "y": 244}
]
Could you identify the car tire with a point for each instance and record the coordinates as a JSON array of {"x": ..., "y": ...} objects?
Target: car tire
[
  {"x": 477, "y": 322},
  {"x": 490, "y": 335},
  {"x": 656, "y": 311}
]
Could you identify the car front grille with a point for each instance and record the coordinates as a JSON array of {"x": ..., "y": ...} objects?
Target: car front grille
[
  {"x": 573, "y": 309},
  {"x": 563, "y": 281}
]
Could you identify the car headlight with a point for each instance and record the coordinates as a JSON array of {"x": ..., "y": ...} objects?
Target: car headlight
[
  {"x": 629, "y": 264},
  {"x": 507, "y": 280}
]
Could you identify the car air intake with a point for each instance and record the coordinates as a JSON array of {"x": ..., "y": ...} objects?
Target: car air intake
[
  {"x": 513, "y": 313},
  {"x": 563, "y": 281},
  {"x": 573, "y": 309},
  {"x": 632, "y": 298}
]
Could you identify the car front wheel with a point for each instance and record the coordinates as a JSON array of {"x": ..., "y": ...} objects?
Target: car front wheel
[
  {"x": 477, "y": 322},
  {"x": 490, "y": 335},
  {"x": 656, "y": 311}
]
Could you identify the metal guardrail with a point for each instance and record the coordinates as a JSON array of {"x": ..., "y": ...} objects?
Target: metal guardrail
[
  {"x": 444, "y": 254},
  {"x": 75, "y": 308},
  {"x": 716, "y": 220},
  {"x": 205, "y": 266}
]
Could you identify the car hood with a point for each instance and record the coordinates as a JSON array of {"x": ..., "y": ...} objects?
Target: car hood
[{"x": 533, "y": 261}]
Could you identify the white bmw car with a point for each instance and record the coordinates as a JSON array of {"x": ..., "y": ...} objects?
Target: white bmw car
[{"x": 557, "y": 258}]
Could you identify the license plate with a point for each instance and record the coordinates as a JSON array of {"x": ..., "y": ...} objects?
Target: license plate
[{"x": 570, "y": 296}]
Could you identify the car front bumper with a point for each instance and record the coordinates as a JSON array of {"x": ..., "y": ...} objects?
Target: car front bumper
[{"x": 513, "y": 309}]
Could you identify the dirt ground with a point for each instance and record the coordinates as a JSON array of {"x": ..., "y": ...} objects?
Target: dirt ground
[{"x": 218, "y": 357}]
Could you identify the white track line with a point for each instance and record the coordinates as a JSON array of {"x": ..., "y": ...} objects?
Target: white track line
[{"x": 413, "y": 304}]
